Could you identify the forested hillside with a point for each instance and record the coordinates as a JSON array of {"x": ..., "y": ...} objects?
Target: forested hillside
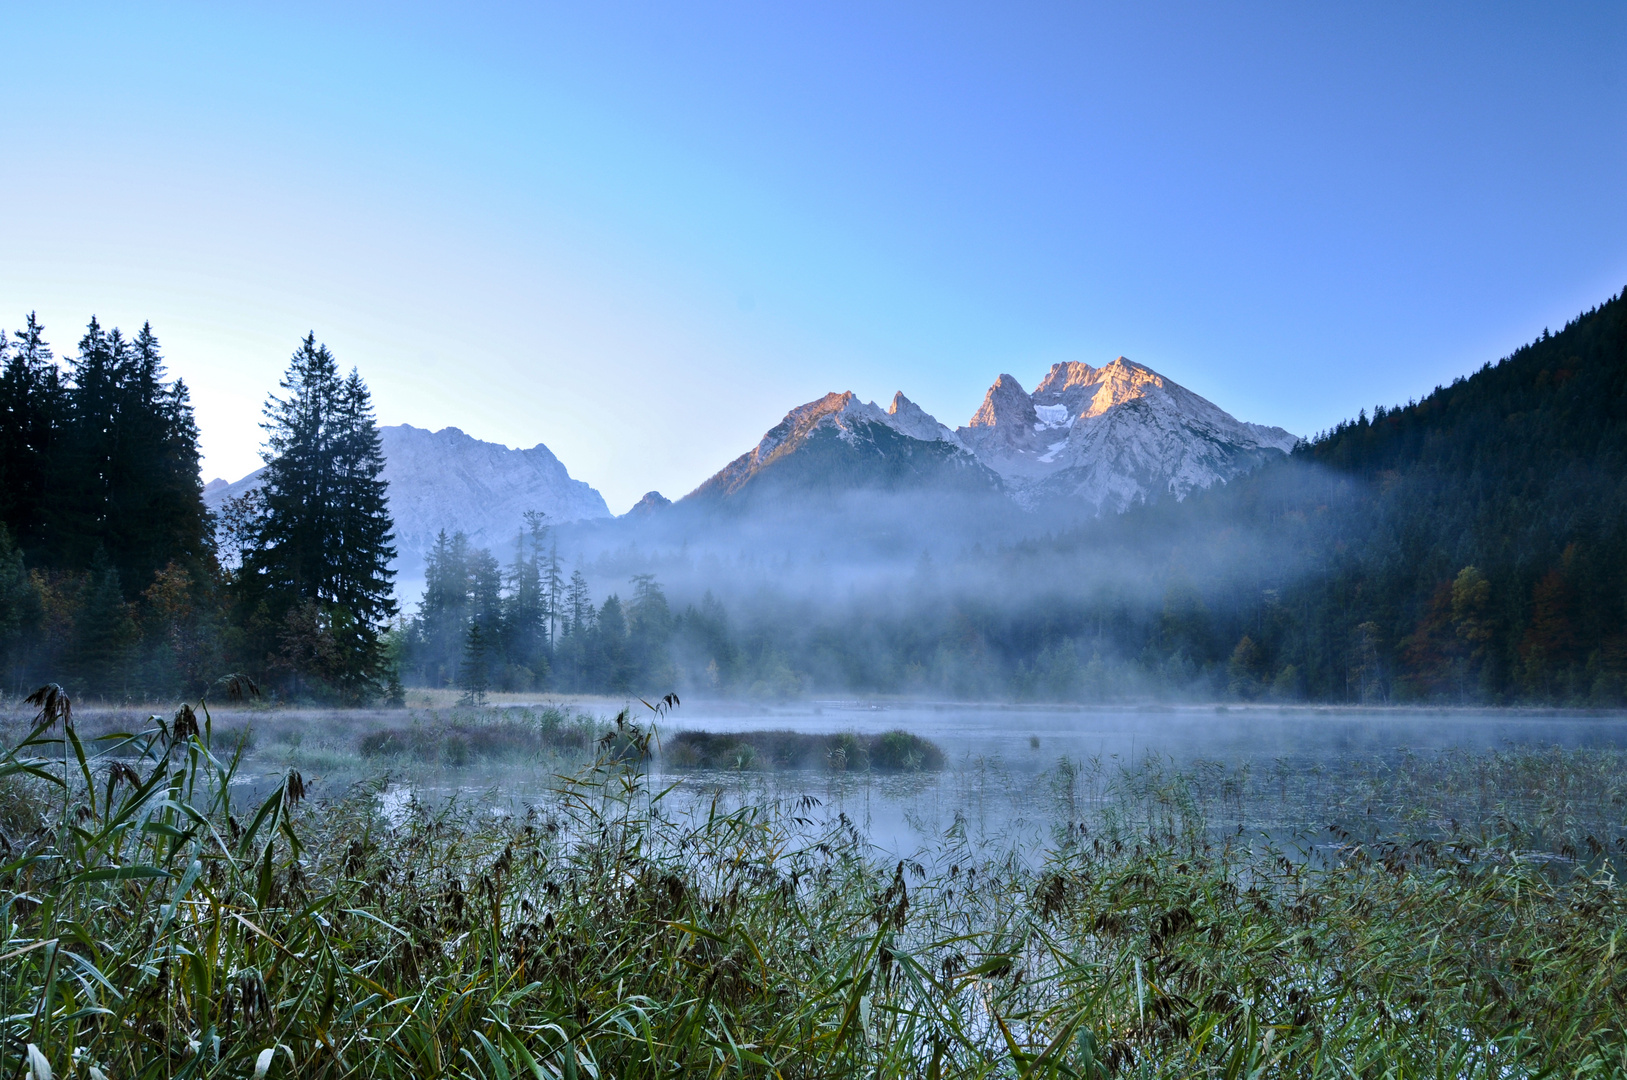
[{"x": 1484, "y": 554}]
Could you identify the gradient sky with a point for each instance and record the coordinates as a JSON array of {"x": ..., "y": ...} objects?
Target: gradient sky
[{"x": 640, "y": 234}]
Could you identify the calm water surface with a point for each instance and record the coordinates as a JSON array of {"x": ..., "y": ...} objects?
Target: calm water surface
[
  {"x": 1008, "y": 782},
  {"x": 1228, "y": 734}
]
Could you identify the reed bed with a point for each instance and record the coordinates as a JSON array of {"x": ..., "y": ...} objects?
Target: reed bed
[{"x": 152, "y": 927}]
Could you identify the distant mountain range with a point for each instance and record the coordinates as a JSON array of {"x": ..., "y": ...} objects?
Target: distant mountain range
[
  {"x": 1092, "y": 440},
  {"x": 449, "y": 480},
  {"x": 1087, "y": 441}
]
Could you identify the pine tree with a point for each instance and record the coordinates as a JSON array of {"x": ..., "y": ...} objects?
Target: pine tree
[
  {"x": 525, "y": 609},
  {"x": 80, "y": 480},
  {"x": 361, "y": 566},
  {"x": 474, "y": 675},
  {"x": 443, "y": 611},
  {"x": 650, "y": 626},
  {"x": 555, "y": 586},
  {"x": 578, "y": 606},
  {"x": 31, "y": 408},
  {"x": 486, "y": 600},
  {"x": 123, "y": 467},
  {"x": 324, "y": 537},
  {"x": 20, "y": 614},
  {"x": 161, "y": 518}
]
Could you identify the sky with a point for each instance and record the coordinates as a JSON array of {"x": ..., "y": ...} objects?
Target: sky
[{"x": 641, "y": 233}]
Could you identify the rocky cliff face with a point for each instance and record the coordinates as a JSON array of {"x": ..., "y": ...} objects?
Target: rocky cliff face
[{"x": 449, "y": 480}]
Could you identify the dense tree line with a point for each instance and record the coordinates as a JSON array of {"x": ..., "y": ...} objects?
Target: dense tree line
[
  {"x": 110, "y": 576},
  {"x": 107, "y": 572}
]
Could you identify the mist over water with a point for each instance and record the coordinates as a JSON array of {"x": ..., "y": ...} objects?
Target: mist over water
[{"x": 1017, "y": 778}]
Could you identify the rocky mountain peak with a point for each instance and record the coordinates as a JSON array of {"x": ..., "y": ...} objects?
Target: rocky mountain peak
[
  {"x": 1085, "y": 391},
  {"x": 653, "y": 502},
  {"x": 799, "y": 421},
  {"x": 1006, "y": 403},
  {"x": 907, "y": 418}
]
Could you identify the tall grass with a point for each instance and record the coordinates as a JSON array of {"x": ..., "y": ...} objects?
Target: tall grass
[{"x": 149, "y": 927}]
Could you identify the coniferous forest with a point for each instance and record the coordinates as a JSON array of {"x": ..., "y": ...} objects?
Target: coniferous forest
[{"x": 1467, "y": 548}]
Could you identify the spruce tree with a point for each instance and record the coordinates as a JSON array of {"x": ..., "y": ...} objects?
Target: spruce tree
[
  {"x": 525, "y": 608},
  {"x": 324, "y": 536},
  {"x": 361, "y": 566},
  {"x": 83, "y": 481},
  {"x": 31, "y": 408},
  {"x": 161, "y": 517},
  {"x": 474, "y": 674},
  {"x": 20, "y": 615},
  {"x": 124, "y": 470},
  {"x": 554, "y": 584},
  {"x": 443, "y": 611},
  {"x": 105, "y": 632}
]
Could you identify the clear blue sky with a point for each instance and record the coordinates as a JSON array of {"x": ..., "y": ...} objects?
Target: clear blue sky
[{"x": 641, "y": 233}]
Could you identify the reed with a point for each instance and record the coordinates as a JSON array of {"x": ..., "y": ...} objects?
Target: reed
[{"x": 153, "y": 927}]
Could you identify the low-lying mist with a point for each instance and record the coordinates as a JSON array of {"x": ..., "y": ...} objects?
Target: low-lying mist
[{"x": 949, "y": 594}]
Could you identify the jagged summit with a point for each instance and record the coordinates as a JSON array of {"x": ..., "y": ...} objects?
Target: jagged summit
[
  {"x": 1088, "y": 438},
  {"x": 908, "y": 418},
  {"x": 1110, "y": 436},
  {"x": 839, "y": 442},
  {"x": 1086, "y": 391}
]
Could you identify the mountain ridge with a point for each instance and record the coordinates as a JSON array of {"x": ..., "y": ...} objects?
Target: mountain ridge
[{"x": 1096, "y": 439}]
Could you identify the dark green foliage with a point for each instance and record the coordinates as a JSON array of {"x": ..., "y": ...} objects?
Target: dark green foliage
[
  {"x": 474, "y": 675},
  {"x": 1482, "y": 555},
  {"x": 124, "y": 479},
  {"x": 33, "y": 412},
  {"x": 21, "y": 611},
  {"x": 314, "y": 585},
  {"x": 105, "y": 632},
  {"x": 99, "y": 488},
  {"x": 459, "y": 741}
]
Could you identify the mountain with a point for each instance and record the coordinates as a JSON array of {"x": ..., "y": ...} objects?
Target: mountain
[
  {"x": 653, "y": 502},
  {"x": 840, "y": 443},
  {"x": 1105, "y": 438},
  {"x": 1090, "y": 439},
  {"x": 449, "y": 480}
]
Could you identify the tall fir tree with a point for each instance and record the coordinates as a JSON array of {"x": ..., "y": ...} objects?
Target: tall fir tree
[
  {"x": 324, "y": 536},
  {"x": 525, "y": 608},
  {"x": 554, "y": 584},
  {"x": 361, "y": 579},
  {"x": 443, "y": 611},
  {"x": 124, "y": 470},
  {"x": 31, "y": 417},
  {"x": 156, "y": 515}
]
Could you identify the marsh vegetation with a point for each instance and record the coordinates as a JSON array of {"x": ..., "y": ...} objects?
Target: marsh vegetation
[{"x": 1461, "y": 918}]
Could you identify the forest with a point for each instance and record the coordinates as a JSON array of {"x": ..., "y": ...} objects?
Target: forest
[{"x": 1469, "y": 547}]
